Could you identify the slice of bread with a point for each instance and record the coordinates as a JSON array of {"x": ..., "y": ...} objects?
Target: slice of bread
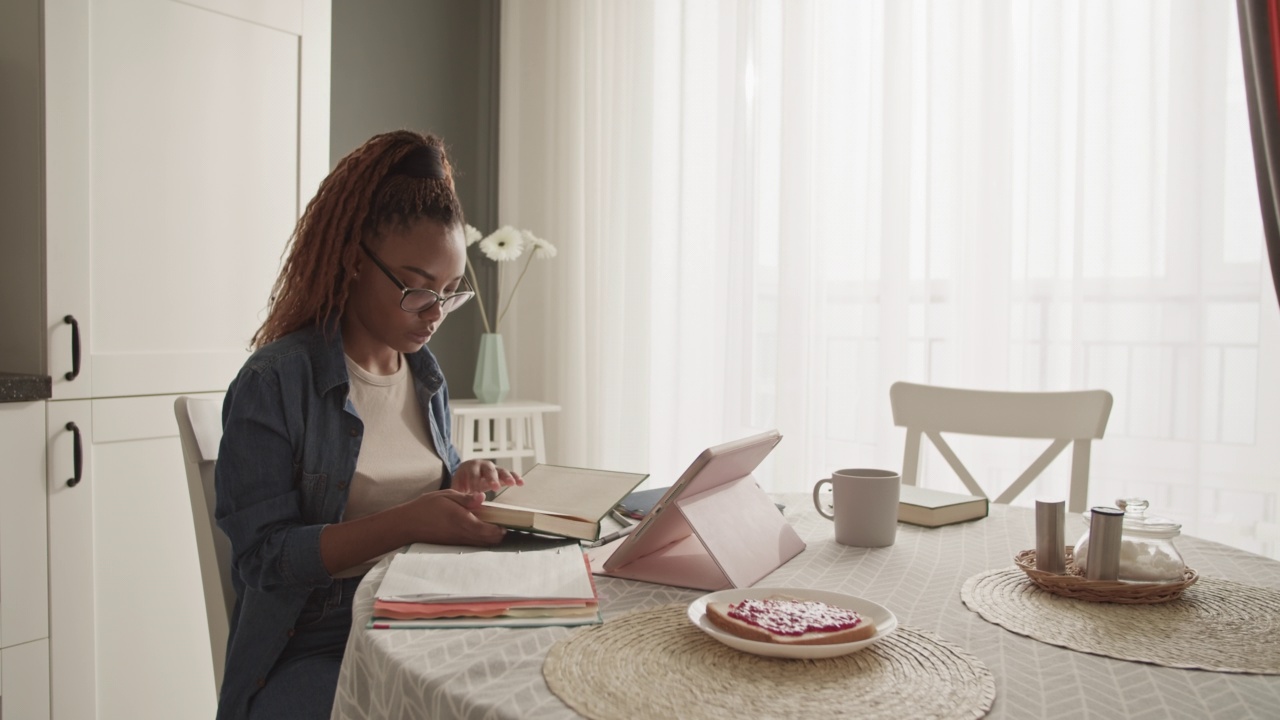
[{"x": 718, "y": 614}]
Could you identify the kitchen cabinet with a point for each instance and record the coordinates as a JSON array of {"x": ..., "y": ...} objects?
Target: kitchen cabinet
[
  {"x": 24, "y": 586},
  {"x": 24, "y": 681},
  {"x": 24, "y": 596},
  {"x": 182, "y": 140},
  {"x": 161, "y": 152},
  {"x": 122, "y": 540}
]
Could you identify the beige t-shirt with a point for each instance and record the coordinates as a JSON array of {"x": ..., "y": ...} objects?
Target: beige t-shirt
[{"x": 397, "y": 460}]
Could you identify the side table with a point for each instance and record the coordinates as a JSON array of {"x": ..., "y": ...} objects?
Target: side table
[{"x": 509, "y": 430}]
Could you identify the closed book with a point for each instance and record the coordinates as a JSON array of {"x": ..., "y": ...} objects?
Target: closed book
[
  {"x": 556, "y": 500},
  {"x": 935, "y": 508}
]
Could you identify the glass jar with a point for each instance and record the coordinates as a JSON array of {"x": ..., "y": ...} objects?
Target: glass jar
[{"x": 1147, "y": 553}]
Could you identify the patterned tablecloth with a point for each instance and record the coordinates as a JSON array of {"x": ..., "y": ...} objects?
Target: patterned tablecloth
[{"x": 497, "y": 673}]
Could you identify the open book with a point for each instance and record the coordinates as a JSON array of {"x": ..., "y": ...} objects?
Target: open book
[{"x": 558, "y": 500}]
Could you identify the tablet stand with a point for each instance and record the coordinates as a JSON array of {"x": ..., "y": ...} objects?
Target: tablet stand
[{"x": 729, "y": 536}]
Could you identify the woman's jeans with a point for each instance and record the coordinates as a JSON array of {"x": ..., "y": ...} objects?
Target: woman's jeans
[{"x": 302, "y": 683}]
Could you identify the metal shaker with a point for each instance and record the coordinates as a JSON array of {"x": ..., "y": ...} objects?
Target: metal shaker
[
  {"x": 1106, "y": 524},
  {"x": 1051, "y": 555}
]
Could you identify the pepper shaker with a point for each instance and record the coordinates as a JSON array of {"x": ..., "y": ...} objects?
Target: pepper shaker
[
  {"x": 1106, "y": 524},
  {"x": 1051, "y": 554}
]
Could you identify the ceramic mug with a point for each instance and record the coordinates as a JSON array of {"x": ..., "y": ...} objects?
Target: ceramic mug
[{"x": 864, "y": 506}]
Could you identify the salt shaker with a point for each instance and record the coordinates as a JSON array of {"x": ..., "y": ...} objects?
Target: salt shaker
[
  {"x": 1106, "y": 524},
  {"x": 1051, "y": 554}
]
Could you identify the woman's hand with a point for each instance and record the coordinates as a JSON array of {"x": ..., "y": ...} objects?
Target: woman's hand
[
  {"x": 443, "y": 517},
  {"x": 478, "y": 476}
]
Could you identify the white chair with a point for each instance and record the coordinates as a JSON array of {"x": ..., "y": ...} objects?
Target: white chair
[
  {"x": 1064, "y": 417},
  {"x": 200, "y": 428}
]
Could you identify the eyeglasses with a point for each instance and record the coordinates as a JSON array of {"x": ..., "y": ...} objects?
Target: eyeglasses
[{"x": 416, "y": 300}]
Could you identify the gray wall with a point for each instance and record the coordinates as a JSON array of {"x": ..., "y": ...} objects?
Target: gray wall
[
  {"x": 22, "y": 290},
  {"x": 431, "y": 66}
]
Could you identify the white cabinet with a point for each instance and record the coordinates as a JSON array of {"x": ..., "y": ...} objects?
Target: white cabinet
[
  {"x": 178, "y": 142},
  {"x": 24, "y": 593},
  {"x": 182, "y": 140},
  {"x": 130, "y": 637},
  {"x": 24, "y": 597},
  {"x": 24, "y": 681}
]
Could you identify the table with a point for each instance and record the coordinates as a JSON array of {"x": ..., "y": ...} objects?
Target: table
[
  {"x": 508, "y": 430},
  {"x": 497, "y": 673}
]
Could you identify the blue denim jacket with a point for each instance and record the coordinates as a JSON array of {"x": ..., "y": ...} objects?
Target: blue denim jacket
[{"x": 289, "y": 444}]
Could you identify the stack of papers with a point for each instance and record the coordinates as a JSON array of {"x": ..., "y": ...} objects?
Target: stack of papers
[{"x": 527, "y": 582}]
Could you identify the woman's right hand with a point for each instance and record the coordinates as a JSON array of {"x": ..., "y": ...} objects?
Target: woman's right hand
[{"x": 443, "y": 517}]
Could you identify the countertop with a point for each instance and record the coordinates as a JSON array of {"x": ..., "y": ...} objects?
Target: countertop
[{"x": 19, "y": 387}]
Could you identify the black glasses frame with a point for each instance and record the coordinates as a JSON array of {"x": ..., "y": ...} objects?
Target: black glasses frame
[{"x": 423, "y": 298}]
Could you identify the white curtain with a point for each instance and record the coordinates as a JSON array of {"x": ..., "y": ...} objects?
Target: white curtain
[{"x": 768, "y": 211}]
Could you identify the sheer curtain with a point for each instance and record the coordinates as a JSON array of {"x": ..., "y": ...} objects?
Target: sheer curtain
[{"x": 770, "y": 211}]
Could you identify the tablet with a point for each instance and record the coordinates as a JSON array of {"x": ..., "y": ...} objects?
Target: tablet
[{"x": 714, "y": 528}]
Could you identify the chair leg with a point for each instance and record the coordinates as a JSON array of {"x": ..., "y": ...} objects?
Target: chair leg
[
  {"x": 911, "y": 457},
  {"x": 1079, "y": 497}
]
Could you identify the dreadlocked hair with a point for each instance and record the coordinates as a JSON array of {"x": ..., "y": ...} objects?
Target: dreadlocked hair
[{"x": 393, "y": 179}]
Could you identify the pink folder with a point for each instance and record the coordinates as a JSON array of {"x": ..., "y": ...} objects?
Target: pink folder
[{"x": 714, "y": 529}]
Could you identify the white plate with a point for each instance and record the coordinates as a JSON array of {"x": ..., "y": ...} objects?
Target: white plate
[{"x": 884, "y": 620}]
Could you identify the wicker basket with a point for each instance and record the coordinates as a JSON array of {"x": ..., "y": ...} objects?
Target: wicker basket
[{"x": 1075, "y": 585}]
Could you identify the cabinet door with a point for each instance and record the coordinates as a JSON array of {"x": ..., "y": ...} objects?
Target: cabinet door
[
  {"x": 24, "y": 681},
  {"x": 24, "y": 579},
  {"x": 127, "y": 604},
  {"x": 71, "y": 583},
  {"x": 182, "y": 141}
]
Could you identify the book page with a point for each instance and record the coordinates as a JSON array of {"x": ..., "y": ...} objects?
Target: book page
[
  {"x": 576, "y": 492},
  {"x": 436, "y": 572}
]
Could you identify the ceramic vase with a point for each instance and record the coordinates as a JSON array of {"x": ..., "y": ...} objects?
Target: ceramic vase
[{"x": 491, "y": 384}]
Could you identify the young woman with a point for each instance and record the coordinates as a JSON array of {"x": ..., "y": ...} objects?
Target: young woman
[{"x": 335, "y": 447}]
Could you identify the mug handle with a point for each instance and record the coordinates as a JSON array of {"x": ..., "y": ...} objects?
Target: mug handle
[{"x": 818, "y": 504}]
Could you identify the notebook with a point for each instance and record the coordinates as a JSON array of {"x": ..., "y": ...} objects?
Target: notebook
[{"x": 525, "y": 582}]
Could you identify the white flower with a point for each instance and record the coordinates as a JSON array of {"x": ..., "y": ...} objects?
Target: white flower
[
  {"x": 505, "y": 243},
  {"x": 542, "y": 250},
  {"x": 472, "y": 234}
]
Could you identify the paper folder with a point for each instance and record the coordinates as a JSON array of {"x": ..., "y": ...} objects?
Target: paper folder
[{"x": 714, "y": 529}]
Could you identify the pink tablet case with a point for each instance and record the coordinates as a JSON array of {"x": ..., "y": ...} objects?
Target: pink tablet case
[{"x": 714, "y": 529}]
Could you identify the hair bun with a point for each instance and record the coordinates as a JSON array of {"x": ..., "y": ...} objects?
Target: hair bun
[{"x": 423, "y": 162}]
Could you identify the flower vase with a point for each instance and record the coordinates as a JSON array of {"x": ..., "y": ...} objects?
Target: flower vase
[{"x": 491, "y": 384}]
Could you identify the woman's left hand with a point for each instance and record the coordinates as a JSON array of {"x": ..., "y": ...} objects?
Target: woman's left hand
[{"x": 483, "y": 476}]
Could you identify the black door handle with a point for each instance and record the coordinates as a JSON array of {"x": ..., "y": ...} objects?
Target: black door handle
[
  {"x": 79, "y": 455},
  {"x": 75, "y": 346}
]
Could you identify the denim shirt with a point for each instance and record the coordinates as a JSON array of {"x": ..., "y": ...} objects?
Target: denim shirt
[{"x": 289, "y": 444}]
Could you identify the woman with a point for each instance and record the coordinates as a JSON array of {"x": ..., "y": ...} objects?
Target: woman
[{"x": 335, "y": 447}]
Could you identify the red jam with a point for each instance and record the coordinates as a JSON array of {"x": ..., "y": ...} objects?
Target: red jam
[{"x": 794, "y": 617}]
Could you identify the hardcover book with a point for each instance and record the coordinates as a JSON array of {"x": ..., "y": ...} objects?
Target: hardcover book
[
  {"x": 557, "y": 500},
  {"x": 935, "y": 508}
]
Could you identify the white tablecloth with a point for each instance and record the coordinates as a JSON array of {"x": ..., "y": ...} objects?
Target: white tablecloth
[{"x": 497, "y": 673}]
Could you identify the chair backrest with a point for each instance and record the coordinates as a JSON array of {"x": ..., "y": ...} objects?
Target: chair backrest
[
  {"x": 200, "y": 428},
  {"x": 1065, "y": 417}
]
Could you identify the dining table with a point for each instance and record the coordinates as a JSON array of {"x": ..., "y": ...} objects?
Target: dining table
[{"x": 929, "y": 578}]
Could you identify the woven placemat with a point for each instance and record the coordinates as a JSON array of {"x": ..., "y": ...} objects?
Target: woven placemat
[
  {"x": 1216, "y": 625},
  {"x": 655, "y": 663}
]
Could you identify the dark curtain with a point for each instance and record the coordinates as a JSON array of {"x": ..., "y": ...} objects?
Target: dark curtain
[{"x": 1260, "y": 44}]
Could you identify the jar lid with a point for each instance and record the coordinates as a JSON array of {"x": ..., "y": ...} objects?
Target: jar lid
[{"x": 1136, "y": 521}]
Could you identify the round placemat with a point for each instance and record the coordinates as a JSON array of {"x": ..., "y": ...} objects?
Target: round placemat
[
  {"x": 656, "y": 664},
  {"x": 1216, "y": 625}
]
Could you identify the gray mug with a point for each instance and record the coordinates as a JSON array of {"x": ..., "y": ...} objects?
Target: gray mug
[{"x": 864, "y": 506}]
